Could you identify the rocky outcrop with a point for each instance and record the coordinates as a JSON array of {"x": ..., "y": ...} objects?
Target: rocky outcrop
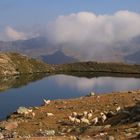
[{"x": 14, "y": 64}]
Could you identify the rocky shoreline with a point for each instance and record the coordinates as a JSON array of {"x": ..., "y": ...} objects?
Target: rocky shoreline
[{"x": 112, "y": 116}]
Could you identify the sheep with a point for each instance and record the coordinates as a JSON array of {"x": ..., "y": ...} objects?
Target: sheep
[
  {"x": 103, "y": 117},
  {"x": 95, "y": 120},
  {"x": 74, "y": 114},
  {"x": 85, "y": 113},
  {"x": 30, "y": 110},
  {"x": 92, "y": 94},
  {"x": 33, "y": 114},
  {"x": 118, "y": 108},
  {"x": 89, "y": 115},
  {"x": 91, "y": 111},
  {"x": 50, "y": 114},
  {"x": 46, "y": 101},
  {"x": 84, "y": 120},
  {"x": 77, "y": 120},
  {"x": 72, "y": 119}
]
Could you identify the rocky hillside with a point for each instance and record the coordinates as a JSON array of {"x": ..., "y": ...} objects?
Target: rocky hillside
[
  {"x": 14, "y": 63},
  {"x": 99, "y": 67}
]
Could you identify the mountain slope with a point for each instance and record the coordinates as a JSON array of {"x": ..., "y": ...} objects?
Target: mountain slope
[
  {"x": 58, "y": 58},
  {"x": 133, "y": 58},
  {"x": 33, "y": 47},
  {"x": 14, "y": 63}
]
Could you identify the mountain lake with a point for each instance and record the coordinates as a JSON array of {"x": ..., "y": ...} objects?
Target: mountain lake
[{"x": 31, "y": 93}]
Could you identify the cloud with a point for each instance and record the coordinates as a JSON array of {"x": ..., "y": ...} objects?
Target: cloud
[
  {"x": 94, "y": 34},
  {"x": 13, "y": 34}
]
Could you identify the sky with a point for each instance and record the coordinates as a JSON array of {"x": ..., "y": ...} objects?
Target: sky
[
  {"x": 91, "y": 26},
  {"x": 20, "y": 13}
]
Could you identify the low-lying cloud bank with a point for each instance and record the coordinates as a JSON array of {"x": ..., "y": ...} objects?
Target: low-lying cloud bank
[
  {"x": 94, "y": 34},
  {"x": 13, "y": 34}
]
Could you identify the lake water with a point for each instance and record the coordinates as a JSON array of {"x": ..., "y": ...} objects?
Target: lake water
[{"x": 57, "y": 87}]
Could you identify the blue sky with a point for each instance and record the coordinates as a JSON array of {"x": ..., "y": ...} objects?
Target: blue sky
[{"x": 33, "y": 12}]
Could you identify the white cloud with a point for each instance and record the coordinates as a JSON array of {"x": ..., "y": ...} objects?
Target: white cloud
[
  {"x": 13, "y": 34},
  {"x": 92, "y": 33}
]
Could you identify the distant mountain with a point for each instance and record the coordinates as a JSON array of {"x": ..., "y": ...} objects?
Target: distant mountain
[
  {"x": 58, "y": 58},
  {"x": 41, "y": 48},
  {"x": 133, "y": 58},
  {"x": 34, "y": 47}
]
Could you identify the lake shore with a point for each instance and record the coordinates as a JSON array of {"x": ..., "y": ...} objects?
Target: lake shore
[{"x": 52, "y": 119}]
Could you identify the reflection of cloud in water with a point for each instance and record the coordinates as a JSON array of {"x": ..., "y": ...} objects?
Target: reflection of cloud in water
[
  {"x": 74, "y": 82},
  {"x": 101, "y": 84}
]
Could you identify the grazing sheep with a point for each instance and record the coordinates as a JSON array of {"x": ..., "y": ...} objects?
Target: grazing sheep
[
  {"x": 118, "y": 108},
  {"x": 103, "y": 117},
  {"x": 33, "y": 114},
  {"x": 85, "y": 113},
  {"x": 46, "y": 101},
  {"x": 91, "y": 111},
  {"x": 84, "y": 120},
  {"x": 72, "y": 119},
  {"x": 30, "y": 110},
  {"x": 74, "y": 114},
  {"x": 77, "y": 120},
  {"x": 89, "y": 115},
  {"x": 92, "y": 94},
  {"x": 95, "y": 120},
  {"x": 50, "y": 114}
]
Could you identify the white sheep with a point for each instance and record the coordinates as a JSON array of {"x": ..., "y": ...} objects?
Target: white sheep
[
  {"x": 77, "y": 120},
  {"x": 95, "y": 120},
  {"x": 91, "y": 111},
  {"x": 85, "y": 113},
  {"x": 72, "y": 119},
  {"x": 74, "y": 114},
  {"x": 118, "y": 108},
  {"x": 103, "y": 117},
  {"x": 50, "y": 114},
  {"x": 46, "y": 101},
  {"x": 84, "y": 120},
  {"x": 33, "y": 114},
  {"x": 89, "y": 115}
]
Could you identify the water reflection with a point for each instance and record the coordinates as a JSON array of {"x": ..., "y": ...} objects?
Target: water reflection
[
  {"x": 18, "y": 80},
  {"x": 100, "y": 84}
]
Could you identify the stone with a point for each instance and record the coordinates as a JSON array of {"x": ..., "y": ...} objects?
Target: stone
[
  {"x": 1, "y": 136},
  {"x": 50, "y": 132},
  {"x": 11, "y": 125}
]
